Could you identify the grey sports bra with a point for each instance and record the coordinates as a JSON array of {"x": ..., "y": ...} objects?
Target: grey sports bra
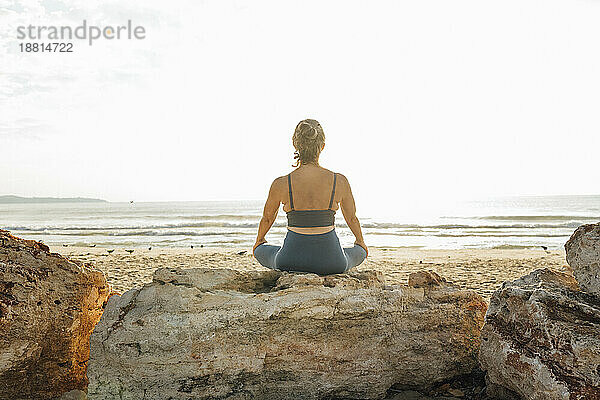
[{"x": 310, "y": 218}]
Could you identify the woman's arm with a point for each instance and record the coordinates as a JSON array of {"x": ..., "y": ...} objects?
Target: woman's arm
[
  {"x": 349, "y": 211},
  {"x": 269, "y": 214}
]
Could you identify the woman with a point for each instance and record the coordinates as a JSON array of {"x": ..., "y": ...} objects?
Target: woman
[{"x": 310, "y": 195}]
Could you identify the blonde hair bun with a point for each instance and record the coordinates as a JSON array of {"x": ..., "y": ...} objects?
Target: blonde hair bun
[
  {"x": 309, "y": 133},
  {"x": 308, "y": 141}
]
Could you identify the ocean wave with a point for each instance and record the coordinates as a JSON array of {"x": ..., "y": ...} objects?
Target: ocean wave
[
  {"x": 177, "y": 233},
  {"x": 141, "y": 233},
  {"x": 517, "y": 247},
  {"x": 208, "y": 224},
  {"x": 573, "y": 218},
  {"x": 207, "y": 217},
  {"x": 384, "y": 225},
  {"x": 434, "y": 234},
  {"x": 541, "y": 235},
  {"x": 230, "y": 234},
  {"x": 281, "y": 224}
]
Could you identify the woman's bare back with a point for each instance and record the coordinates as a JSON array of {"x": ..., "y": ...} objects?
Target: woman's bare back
[{"x": 311, "y": 189}]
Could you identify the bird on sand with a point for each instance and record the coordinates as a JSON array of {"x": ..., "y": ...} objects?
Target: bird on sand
[
  {"x": 65, "y": 245},
  {"x": 110, "y": 251},
  {"x": 192, "y": 246},
  {"x": 92, "y": 245},
  {"x": 149, "y": 248},
  {"x": 545, "y": 249},
  {"x": 129, "y": 251}
]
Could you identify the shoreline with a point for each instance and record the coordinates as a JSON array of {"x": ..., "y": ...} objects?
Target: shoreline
[{"x": 482, "y": 270}]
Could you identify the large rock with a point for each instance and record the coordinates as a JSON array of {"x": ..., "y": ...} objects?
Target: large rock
[
  {"x": 49, "y": 306},
  {"x": 583, "y": 256},
  {"x": 541, "y": 338},
  {"x": 224, "y": 334}
]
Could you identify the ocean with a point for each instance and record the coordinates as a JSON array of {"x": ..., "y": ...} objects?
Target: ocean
[{"x": 509, "y": 222}]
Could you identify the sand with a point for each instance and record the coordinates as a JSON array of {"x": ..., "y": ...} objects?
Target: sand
[{"x": 482, "y": 270}]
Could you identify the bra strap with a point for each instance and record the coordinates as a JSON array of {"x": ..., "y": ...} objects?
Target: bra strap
[
  {"x": 332, "y": 191},
  {"x": 290, "y": 191}
]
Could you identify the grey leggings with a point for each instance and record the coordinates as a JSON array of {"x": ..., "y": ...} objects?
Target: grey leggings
[{"x": 320, "y": 254}]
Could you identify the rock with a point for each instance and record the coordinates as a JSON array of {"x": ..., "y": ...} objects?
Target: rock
[
  {"x": 220, "y": 333},
  {"x": 49, "y": 306},
  {"x": 583, "y": 256},
  {"x": 74, "y": 395},
  {"x": 409, "y": 395},
  {"x": 541, "y": 338},
  {"x": 456, "y": 392},
  {"x": 497, "y": 392},
  {"x": 425, "y": 279}
]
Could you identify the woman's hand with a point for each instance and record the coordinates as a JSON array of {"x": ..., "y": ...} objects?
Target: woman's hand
[
  {"x": 363, "y": 245},
  {"x": 258, "y": 243}
]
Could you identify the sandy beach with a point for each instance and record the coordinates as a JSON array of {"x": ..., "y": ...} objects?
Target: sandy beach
[{"x": 482, "y": 270}]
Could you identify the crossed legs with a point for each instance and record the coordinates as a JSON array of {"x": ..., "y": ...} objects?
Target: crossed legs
[{"x": 266, "y": 255}]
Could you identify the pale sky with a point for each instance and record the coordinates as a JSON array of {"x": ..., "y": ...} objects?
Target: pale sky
[{"x": 418, "y": 99}]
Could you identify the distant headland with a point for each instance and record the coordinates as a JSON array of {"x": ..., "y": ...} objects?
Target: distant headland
[{"x": 9, "y": 199}]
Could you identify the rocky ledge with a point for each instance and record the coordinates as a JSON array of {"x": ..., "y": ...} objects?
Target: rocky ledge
[
  {"x": 49, "y": 306},
  {"x": 209, "y": 333},
  {"x": 541, "y": 339}
]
